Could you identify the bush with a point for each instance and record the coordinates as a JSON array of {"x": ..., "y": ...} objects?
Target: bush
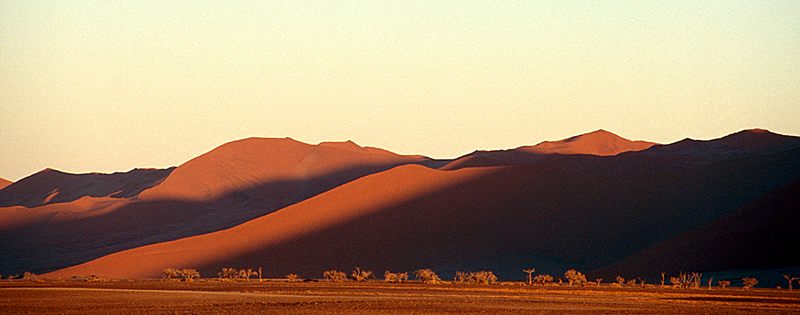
[
  {"x": 542, "y": 279},
  {"x": 427, "y": 276},
  {"x": 170, "y": 273},
  {"x": 575, "y": 277},
  {"x": 292, "y": 277},
  {"x": 361, "y": 275},
  {"x": 29, "y": 276},
  {"x": 189, "y": 274},
  {"x": 334, "y": 275},
  {"x": 479, "y": 277},
  {"x": 748, "y": 283},
  {"x": 94, "y": 278},
  {"x": 228, "y": 273},
  {"x": 391, "y": 277}
]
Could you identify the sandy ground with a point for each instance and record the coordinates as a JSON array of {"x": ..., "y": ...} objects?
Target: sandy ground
[{"x": 157, "y": 297}]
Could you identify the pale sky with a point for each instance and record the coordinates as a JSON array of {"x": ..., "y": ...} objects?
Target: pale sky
[{"x": 113, "y": 85}]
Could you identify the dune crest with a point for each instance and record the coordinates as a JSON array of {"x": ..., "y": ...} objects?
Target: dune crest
[
  {"x": 4, "y": 183},
  {"x": 600, "y": 142},
  {"x": 254, "y": 161}
]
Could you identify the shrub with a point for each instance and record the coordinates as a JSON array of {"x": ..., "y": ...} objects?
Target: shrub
[
  {"x": 29, "y": 276},
  {"x": 334, "y": 275},
  {"x": 542, "y": 279},
  {"x": 361, "y": 275},
  {"x": 748, "y": 283},
  {"x": 292, "y": 277},
  {"x": 427, "y": 276},
  {"x": 94, "y": 278},
  {"x": 403, "y": 276},
  {"x": 228, "y": 273},
  {"x": 392, "y": 277},
  {"x": 170, "y": 273},
  {"x": 575, "y": 277},
  {"x": 189, "y": 274}
]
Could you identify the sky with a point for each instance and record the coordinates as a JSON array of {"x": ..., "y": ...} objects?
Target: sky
[{"x": 109, "y": 86}]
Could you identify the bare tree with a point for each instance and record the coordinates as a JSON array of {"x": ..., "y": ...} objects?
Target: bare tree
[
  {"x": 427, "y": 276},
  {"x": 575, "y": 277},
  {"x": 598, "y": 280},
  {"x": 748, "y": 283},
  {"x": 361, "y": 275},
  {"x": 663, "y": 274},
  {"x": 790, "y": 279},
  {"x": 710, "y": 280},
  {"x": 723, "y": 283},
  {"x": 260, "y": 273},
  {"x": 334, "y": 275},
  {"x": 529, "y": 271}
]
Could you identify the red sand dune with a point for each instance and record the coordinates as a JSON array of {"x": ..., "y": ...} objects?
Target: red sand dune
[
  {"x": 52, "y": 186},
  {"x": 242, "y": 164},
  {"x": 4, "y": 183},
  {"x": 348, "y": 202},
  {"x": 562, "y": 211},
  {"x": 229, "y": 185},
  {"x": 600, "y": 143}
]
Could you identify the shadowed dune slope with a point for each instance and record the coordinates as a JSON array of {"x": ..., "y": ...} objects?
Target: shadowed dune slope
[
  {"x": 4, "y": 182},
  {"x": 563, "y": 211},
  {"x": 227, "y": 186},
  {"x": 52, "y": 186},
  {"x": 760, "y": 235},
  {"x": 600, "y": 143}
]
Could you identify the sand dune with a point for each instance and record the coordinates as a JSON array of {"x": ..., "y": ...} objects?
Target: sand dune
[
  {"x": 52, "y": 186},
  {"x": 600, "y": 143},
  {"x": 225, "y": 187},
  {"x": 561, "y": 211},
  {"x": 241, "y": 164}
]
